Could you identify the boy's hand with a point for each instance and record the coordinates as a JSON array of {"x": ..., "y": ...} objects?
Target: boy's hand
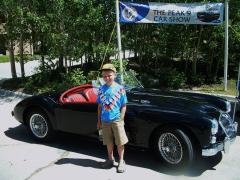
[{"x": 99, "y": 124}]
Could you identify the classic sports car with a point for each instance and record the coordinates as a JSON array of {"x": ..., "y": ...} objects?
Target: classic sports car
[
  {"x": 178, "y": 126},
  {"x": 210, "y": 16}
]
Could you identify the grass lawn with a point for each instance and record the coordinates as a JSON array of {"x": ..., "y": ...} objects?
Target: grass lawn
[
  {"x": 27, "y": 57},
  {"x": 219, "y": 88},
  {"x": 4, "y": 58}
]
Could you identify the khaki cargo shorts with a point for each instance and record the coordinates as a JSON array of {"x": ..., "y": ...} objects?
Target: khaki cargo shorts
[{"x": 114, "y": 131}]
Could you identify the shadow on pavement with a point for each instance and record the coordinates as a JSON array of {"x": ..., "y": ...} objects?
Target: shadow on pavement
[
  {"x": 79, "y": 162},
  {"x": 92, "y": 147}
]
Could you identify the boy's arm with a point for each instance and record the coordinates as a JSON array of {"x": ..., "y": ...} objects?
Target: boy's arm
[
  {"x": 99, "y": 125},
  {"x": 123, "y": 111}
]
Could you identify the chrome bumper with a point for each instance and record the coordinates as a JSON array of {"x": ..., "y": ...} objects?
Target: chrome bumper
[{"x": 223, "y": 146}]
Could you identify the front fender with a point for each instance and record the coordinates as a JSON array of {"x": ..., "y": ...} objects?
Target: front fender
[{"x": 198, "y": 125}]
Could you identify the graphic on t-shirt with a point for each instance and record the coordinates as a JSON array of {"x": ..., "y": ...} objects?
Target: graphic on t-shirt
[{"x": 109, "y": 99}]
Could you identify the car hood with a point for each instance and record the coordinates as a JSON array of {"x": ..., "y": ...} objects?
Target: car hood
[{"x": 175, "y": 101}]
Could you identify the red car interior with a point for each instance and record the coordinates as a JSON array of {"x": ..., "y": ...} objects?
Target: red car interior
[
  {"x": 75, "y": 98},
  {"x": 90, "y": 94},
  {"x": 80, "y": 94}
]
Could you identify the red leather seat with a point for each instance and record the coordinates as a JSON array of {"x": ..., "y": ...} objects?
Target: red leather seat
[
  {"x": 75, "y": 98},
  {"x": 91, "y": 94}
]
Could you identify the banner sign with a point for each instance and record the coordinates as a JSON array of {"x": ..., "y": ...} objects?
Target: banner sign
[{"x": 172, "y": 13}]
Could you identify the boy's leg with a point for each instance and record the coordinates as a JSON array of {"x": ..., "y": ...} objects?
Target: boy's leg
[
  {"x": 120, "y": 140},
  {"x": 108, "y": 141},
  {"x": 121, "y": 152},
  {"x": 110, "y": 148},
  {"x": 121, "y": 165},
  {"x": 110, "y": 162}
]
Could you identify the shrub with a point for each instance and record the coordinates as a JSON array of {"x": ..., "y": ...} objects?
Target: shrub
[
  {"x": 93, "y": 75},
  {"x": 26, "y": 57},
  {"x": 171, "y": 78},
  {"x": 54, "y": 81},
  {"x": 196, "y": 80},
  {"x": 75, "y": 78},
  {"x": 149, "y": 81}
]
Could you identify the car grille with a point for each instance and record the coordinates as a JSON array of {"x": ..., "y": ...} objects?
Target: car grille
[{"x": 227, "y": 124}]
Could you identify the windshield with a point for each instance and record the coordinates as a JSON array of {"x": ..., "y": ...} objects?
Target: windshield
[{"x": 129, "y": 81}]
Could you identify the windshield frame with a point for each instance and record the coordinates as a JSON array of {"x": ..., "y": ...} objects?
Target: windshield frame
[{"x": 130, "y": 81}]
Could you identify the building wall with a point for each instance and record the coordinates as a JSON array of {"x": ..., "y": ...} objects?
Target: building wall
[{"x": 28, "y": 49}]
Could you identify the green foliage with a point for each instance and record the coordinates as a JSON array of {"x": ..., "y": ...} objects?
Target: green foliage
[
  {"x": 81, "y": 29},
  {"x": 149, "y": 81},
  {"x": 92, "y": 75},
  {"x": 130, "y": 78},
  {"x": 54, "y": 81},
  {"x": 165, "y": 78},
  {"x": 197, "y": 80},
  {"x": 116, "y": 64},
  {"x": 26, "y": 57},
  {"x": 171, "y": 78},
  {"x": 75, "y": 78}
]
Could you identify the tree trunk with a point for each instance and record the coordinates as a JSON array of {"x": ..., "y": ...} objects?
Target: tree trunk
[
  {"x": 215, "y": 72},
  {"x": 60, "y": 62},
  {"x": 42, "y": 52},
  {"x": 209, "y": 64},
  {"x": 66, "y": 63},
  {"x": 21, "y": 48},
  {"x": 12, "y": 60},
  {"x": 42, "y": 61},
  {"x": 188, "y": 55},
  {"x": 195, "y": 54}
]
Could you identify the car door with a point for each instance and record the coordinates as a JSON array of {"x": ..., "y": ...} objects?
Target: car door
[{"x": 79, "y": 118}]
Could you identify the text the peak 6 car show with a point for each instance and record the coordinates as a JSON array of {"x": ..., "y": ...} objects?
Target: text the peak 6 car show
[{"x": 177, "y": 126}]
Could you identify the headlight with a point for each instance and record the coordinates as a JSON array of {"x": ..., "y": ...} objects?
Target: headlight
[
  {"x": 213, "y": 139},
  {"x": 227, "y": 124},
  {"x": 214, "y": 128},
  {"x": 228, "y": 106}
]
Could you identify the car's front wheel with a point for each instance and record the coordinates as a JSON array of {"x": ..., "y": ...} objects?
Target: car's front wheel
[
  {"x": 174, "y": 148},
  {"x": 39, "y": 125}
]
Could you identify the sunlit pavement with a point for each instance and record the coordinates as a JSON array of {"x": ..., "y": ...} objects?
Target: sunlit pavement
[{"x": 72, "y": 157}]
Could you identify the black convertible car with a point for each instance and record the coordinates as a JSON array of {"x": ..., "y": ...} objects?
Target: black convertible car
[
  {"x": 210, "y": 16},
  {"x": 178, "y": 126}
]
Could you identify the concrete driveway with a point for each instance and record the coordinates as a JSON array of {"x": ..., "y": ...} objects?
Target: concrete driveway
[{"x": 74, "y": 157}]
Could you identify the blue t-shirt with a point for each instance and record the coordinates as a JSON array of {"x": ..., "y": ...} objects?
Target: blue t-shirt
[{"x": 112, "y": 98}]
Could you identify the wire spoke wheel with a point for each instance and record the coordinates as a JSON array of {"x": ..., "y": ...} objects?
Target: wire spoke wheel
[
  {"x": 38, "y": 125},
  {"x": 170, "y": 148}
]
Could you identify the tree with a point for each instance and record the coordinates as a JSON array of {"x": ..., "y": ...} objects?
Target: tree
[{"x": 9, "y": 11}]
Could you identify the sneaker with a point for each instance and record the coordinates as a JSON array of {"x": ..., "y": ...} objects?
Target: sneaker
[
  {"x": 108, "y": 164},
  {"x": 121, "y": 167}
]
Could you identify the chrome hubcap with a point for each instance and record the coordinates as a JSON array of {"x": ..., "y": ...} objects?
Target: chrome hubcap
[
  {"x": 38, "y": 125},
  {"x": 170, "y": 148}
]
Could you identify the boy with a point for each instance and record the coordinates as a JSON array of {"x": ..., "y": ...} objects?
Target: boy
[{"x": 112, "y": 102}]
